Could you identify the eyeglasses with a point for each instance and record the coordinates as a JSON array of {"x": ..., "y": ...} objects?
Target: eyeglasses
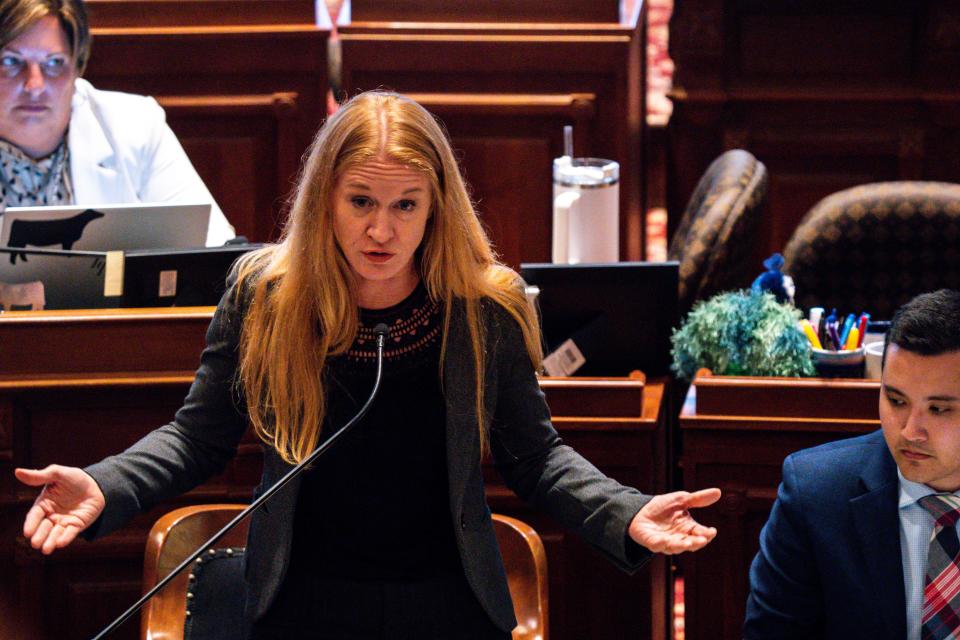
[{"x": 54, "y": 66}]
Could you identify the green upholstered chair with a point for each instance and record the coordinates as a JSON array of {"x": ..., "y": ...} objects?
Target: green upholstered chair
[
  {"x": 714, "y": 240},
  {"x": 873, "y": 247}
]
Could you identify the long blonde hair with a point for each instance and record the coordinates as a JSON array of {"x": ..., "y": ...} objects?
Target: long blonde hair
[{"x": 302, "y": 298}]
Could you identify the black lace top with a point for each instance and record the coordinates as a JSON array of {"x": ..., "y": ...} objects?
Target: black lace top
[{"x": 376, "y": 506}]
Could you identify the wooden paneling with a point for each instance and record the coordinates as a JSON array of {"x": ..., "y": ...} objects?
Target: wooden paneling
[
  {"x": 244, "y": 147},
  {"x": 486, "y": 10},
  {"x": 506, "y": 142},
  {"x": 504, "y": 92},
  {"x": 130, "y": 372},
  {"x": 169, "y": 13},
  {"x": 827, "y": 95},
  {"x": 245, "y": 102},
  {"x": 738, "y": 442}
]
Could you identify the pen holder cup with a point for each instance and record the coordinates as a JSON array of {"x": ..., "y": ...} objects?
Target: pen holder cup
[{"x": 838, "y": 364}]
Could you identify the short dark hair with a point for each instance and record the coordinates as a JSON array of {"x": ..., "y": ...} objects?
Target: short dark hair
[
  {"x": 17, "y": 16},
  {"x": 927, "y": 325}
]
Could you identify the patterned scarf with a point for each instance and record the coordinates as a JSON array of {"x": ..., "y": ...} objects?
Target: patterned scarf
[{"x": 25, "y": 182}]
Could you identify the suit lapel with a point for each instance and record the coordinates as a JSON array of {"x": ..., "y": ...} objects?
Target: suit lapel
[
  {"x": 460, "y": 397},
  {"x": 877, "y": 521}
]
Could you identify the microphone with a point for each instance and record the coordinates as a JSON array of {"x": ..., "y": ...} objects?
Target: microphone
[{"x": 382, "y": 331}]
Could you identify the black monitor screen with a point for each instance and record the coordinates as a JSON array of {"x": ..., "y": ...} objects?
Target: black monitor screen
[
  {"x": 178, "y": 277},
  {"x": 619, "y": 315}
]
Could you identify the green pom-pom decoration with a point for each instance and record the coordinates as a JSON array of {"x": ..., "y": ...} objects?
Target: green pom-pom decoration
[{"x": 745, "y": 333}]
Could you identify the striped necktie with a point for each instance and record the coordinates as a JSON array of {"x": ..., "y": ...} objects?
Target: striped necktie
[{"x": 941, "y": 592}]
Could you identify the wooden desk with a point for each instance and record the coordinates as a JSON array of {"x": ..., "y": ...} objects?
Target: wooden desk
[
  {"x": 735, "y": 434},
  {"x": 78, "y": 386}
]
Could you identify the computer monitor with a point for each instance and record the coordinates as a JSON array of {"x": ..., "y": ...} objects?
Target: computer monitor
[
  {"x": 619, "y": 316},
  {"x": 178, "y": 277}
]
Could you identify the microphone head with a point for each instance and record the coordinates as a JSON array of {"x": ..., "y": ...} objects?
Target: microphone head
[{"x": 382, "y": 330}]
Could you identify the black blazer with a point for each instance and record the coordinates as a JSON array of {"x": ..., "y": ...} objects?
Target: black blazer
[
  {"x": 830, "y": 563},
  {"x": 527, "y": 451}
]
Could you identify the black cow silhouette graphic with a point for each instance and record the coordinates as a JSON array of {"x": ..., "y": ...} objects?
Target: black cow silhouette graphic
[{"x": 45, "y": 233}]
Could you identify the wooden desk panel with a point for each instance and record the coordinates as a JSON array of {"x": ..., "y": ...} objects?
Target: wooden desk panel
[
  {"x": 487, "y": 10},
  {"x": 589, "y": 597},
  {"x": 106, "y": 378},
  {"x": 740, "y": 448},
  {"x": 504, "y": 91},
  {"x": 167, "y": 13}
]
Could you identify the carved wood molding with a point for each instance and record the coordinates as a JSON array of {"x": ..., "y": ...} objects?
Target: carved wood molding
[
  {"x": 205, "y": 30},
  {"x": 82, "y": 380},
  {"x": 756, "y": 93},
  {"x": 579, "y": 106},
  {"x": 281, "y": 104},
  {"x": 560, "y": 11},
  {"x": 463, "y": 33},
  {"x": 74, "y": 316}
]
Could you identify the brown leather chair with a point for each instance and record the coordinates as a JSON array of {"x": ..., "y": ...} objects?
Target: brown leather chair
[
  {"x": 177, "y": 534},
  {"x": 714, "y": 240},
  {"x": 874, "y": 247}
]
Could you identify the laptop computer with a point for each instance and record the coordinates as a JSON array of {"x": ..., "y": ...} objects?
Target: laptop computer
[
  {"x": 101, "y": 279},
  {"x": 53, "y": 279},
  {"x": 105, "y": 227}
]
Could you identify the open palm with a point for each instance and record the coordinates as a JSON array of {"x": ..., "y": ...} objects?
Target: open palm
[
  {"x": 664, "y": 525},
  {"x": 69, "y": 503}
]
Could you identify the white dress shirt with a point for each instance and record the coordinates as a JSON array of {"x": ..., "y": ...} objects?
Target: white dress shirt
[{"x": 916, "y": 527}]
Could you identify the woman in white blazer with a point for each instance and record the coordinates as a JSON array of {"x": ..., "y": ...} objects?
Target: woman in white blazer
[{"x": 64, "y": 142}]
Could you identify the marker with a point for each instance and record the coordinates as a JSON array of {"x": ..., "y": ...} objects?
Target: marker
[
  {"x": 816, "y": 315},
  {"x": 864, "y": 319},
  {"x": 811, "y": 334},
  {"x": 847, "y": 325},
  {"x": 852, "y": 340}
]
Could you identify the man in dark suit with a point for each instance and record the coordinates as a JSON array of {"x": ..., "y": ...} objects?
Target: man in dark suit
[{"x": 861, "y": 541}]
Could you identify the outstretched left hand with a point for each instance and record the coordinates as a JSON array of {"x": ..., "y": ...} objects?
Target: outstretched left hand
[{"x": 664, "y": 525}]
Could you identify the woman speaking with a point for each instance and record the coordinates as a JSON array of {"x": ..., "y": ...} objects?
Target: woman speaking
[
  {"x": 389, "y": 535},
  {"x": 64, "y": 142}
]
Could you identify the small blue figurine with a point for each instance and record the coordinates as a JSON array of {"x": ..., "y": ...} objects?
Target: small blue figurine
[{"x": 774, "y": 281}]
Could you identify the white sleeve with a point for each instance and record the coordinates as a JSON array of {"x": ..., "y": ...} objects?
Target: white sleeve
[{"x": 167, "y": 175}]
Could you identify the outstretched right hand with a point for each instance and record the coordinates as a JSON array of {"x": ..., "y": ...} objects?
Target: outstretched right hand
[{"x": 69, "y": 503}]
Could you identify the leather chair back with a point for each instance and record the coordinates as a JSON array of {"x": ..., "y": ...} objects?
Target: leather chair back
[
  {"x": 714, "y": 240},
  {"x": 206, "y": 602},
  {"x": 874, "y": 247}
]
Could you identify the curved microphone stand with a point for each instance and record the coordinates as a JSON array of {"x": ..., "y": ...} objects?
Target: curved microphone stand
[{"x": 381, "y": 331}]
